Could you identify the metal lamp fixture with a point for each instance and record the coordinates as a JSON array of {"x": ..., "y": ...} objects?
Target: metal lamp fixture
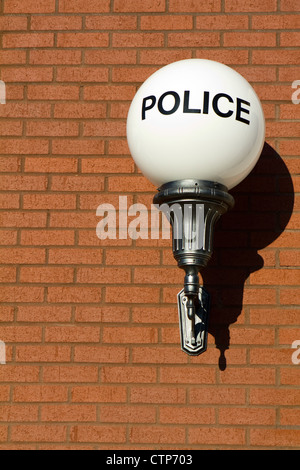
[{"x": 196, "y": 129}]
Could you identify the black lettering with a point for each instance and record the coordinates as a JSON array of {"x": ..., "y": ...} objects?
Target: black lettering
[
  {"x": 176, "y": 103},
  {"x": 186, "y": 108},
  {"x": 206, "y": 102},
  {"x": 147, "y": 108},
  {"x": 240, "y": 109},
  {"x": 216, "y": 102}
]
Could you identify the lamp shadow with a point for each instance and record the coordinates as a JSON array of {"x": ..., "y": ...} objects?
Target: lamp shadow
[{"x": 264, "y": 204}]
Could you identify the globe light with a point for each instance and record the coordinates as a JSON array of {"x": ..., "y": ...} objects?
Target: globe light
[{"x": 195, "y": 129}]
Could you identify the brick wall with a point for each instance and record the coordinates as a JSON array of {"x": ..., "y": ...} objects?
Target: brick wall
[{"x": 93, "y": 355}]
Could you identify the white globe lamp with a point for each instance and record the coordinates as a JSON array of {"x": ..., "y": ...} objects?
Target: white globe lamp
[{"x": 195, "y": 129}]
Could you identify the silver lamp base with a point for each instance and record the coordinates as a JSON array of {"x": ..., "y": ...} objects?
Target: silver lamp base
[{"x": 193, "y": 208}]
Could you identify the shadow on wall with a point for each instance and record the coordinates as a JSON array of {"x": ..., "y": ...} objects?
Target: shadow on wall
[{"x": 264, "y": 204}]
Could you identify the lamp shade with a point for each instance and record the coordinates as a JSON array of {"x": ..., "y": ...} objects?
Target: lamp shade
[{"x": 196, "y": 119}]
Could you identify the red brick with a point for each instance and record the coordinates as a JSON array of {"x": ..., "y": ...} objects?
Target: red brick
[
  {"x": 45, "y": 354},
  {"x": 289, "y": 296},
  {"x": 91, "y": 40},
  {"x": 50, "y": 92},
  {"x": 279, "y": 438},
  {"x": 22, "y": 255},
  {"x": 107, "y": 165},
  {"x": 193, "y": 39},
  {"x": 8, "y": 237},
  {"x": 65, "y": 413},
  {"x": 288, "y": 5},
  {"x": 75, "y": 256},
  {"x": 186, "y": 375},
  {"x": 51, "y": 23},
  {"x": 103, "y": 275},
  {"x": 55, "y": 57},
  {"x": 4, "y": 393},
  {"x": 251, "y": 39},
  {"x": 99, "y": 394},
  {"x": 132, "y": 257},
  {"x": 80, "y": 111},
  {"x": 27, "y": 40},
  {"x": 82, "y": 74},
  {"x": 52, "y": 129},
  {"x": 213, "y": 436},
  {"x": 250, "y": 6},
  {"x": 71, "y": 374},
  {"x": 192, "y": 6},
  {"x": 248, "y": 375},
  {"x": 138, "y": 39},
  {"x": 41, "y": 313},
  {"x": 289, "y": 417},
  {"x": 18, "y": 6},
  {"x": 128, "y": 374},
  {"x": 80, "y": 6},
  {"x": 186, "y": 415},
  {"x": 10, "y": 23},
  {"x": 14, "y": 57},
  {"x": 47, "y": 275},
  {"x": 105, "y": 314},
  {"x": 6, "y": 314},
  {"x": 278, "y": 57},
  {"x": 271, "y": 316},
  {"x": 276, "y": 277},
  {"x": 157, "y": 355},
  {"x": 129, "y": 74},
  {"x": 139, "y": 295},
  {"x": 21, "y": 334},
  {"x": 27, "y": 74},
  {"x": 163, "y": 57},
  {"x": 49, "y": 201},
  {"x": 289, "y": 258},
  {"x": 139, "y": 6},
  {"x": 74, "y": 294},
  {"x": 23, "y": 219},
  {"x": 9, "y": 201},
  {"x": 20, "y": 413},
  {"x": 218, "y": 396},
  {"x": 290, "y": 39},
  {"x": 11, "y": 128},
  {"x": 102, "y": 354},
  {"x": 130, "y": 184},
  {"x": 98, "y": 434},
  {"x": 25, "y": 110},
  {"x": 275, "y": 21},
  {"x": 127, "y": 414},
  {"x": 20, "y": 373},
  {"x": 77, "y": 183},
  {"x": 105, "y": 129},
  {"x": 113, "y": 56},
  {"x": 72, "y": 334},
  {"x": 47, "y": 237},
  {"x": 129, "y": 335},
  {"x": 14, "y": 92},
  {"x": 222, "y": 22},
  {"x": 225, "y": 56},
  {"x": 24, "y": 146},
  {"x": 157, "y": 435},
  {"x": 3, "y": 433},
  {"x": 38, "y": 433},
  {"x": 109, "y": 93},
  {"x": 166, "y": 22},
  {"x": 113, "y": 22}
]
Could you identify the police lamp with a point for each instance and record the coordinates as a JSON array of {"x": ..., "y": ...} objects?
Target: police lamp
[{"x": 195, "y": 129}]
